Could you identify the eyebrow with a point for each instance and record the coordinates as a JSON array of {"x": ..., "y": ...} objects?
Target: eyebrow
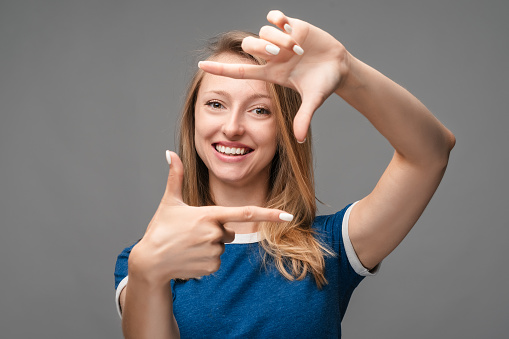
[{"x": 253, "y": 96}]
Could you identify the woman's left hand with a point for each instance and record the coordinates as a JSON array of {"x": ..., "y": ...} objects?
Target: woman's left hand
[{"x": 300, "y": 56}]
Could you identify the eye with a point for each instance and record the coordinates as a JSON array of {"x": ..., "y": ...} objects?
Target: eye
[
  {"x": 261, "y": 111},
  {"x": 214, "y": 104}
]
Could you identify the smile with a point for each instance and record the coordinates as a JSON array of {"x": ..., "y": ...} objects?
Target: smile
[{"x": 232, "y": 151}]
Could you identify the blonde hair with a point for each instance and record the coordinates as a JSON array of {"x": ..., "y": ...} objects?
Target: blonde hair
[{"x": 291, "y": 246}]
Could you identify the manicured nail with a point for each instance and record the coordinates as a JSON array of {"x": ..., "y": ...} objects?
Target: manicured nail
[
  {"x": 274, "y": 50},
  {"x": 168, "y": 157},
  {"x": 298, "y": 50},
  {"x": 288, "y": 28},
  {"x": 301, "y": 142},
  {"x": 286, "y": 216},
  {"x": 199, "y": 64}
]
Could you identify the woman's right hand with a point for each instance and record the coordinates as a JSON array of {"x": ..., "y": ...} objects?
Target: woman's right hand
[
  {"x": 183, "y": 241},
  {"x": 306, "y": 59}
]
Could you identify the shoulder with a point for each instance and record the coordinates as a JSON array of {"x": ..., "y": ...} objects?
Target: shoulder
[
  {"x": 331, "y": 221},
  {"x": 329, "y": 227},
  {"x": 333, "y": 231}
]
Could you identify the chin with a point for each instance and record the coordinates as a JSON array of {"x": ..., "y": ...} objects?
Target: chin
[{"x": 234, "y": 179}]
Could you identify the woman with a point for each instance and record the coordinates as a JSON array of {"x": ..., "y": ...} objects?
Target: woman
[{"x": 246, "y": 181}]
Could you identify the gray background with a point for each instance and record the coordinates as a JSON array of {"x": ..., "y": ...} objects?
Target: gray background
[{"x": 90, "y": 93}]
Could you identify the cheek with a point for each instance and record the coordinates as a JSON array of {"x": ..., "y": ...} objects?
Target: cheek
[
  {"x": 203, "y": 127},
  {"x": 267, "y": 135},
  {"x": 200, "y": 133}
]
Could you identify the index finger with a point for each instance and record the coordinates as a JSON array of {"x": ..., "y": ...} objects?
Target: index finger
[
  {"x": 236, "y": 71},
  {"x": 248, "y": 213}
]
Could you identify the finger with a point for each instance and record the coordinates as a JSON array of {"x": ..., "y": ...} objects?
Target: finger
[
  {"x": 260, "y": 47},
  {"x": 302, "y": 120},
  {"x": 236, "y": 71},
  {"x": 247, "y": 214},
  {"x": 277, "y": 18},
  {"x": 288, "y": 24},
  {"x": 277, "y": 37},
  {"x": 173, "y": 192},
  {"x": 229, "y": 235}
]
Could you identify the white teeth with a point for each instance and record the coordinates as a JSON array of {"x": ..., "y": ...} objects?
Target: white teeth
[{"x": 231, "y": 150}]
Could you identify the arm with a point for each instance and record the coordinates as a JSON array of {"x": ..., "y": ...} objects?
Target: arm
[
  {"x": 146, "y": 305},
  {"x": 422, "y": 144},
  {"x": 381, "y": 220},
  {"x": 181, "y": 241}
]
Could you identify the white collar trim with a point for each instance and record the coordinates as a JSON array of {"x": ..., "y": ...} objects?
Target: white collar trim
[{"x": 246, "y": 238}]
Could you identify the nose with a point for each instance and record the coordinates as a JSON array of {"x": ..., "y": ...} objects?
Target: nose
[{"x": 233, "y": 125}]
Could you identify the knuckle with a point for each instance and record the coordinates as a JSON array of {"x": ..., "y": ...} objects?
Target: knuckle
[
  {"x": 218, "y": 250},
  {"x": 175, "y": 174},
  {"x": 242, "y": 72},
  {"x": 214, "y": 265},
  {"x": 155, "y": 237},
  {"x": 248, "y": 212},
  {"x": 202, "y": 218},
  {"x": 214, "y": 234},
  {"x": 219, "y": 69}
]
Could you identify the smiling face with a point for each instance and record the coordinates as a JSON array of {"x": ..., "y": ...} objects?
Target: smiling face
[{"x": 235, "y": 131}]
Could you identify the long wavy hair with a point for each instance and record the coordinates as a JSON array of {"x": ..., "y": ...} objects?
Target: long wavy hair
[{"x": 291, "y": 246}]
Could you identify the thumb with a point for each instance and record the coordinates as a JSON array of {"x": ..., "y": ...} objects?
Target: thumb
[
  {"x": 228, "y": 236},
  {"x": 302, "y": 120},
  {"x": 173, "y": 192}
]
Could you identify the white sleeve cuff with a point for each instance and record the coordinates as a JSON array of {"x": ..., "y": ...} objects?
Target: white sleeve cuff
[
  {"x": 120, "y": 287},
  {"x": 350, "y": 252}
]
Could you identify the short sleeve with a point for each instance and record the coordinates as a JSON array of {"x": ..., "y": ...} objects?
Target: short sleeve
[
  {"x": 350, "y": 251},
  {"x": 121, "y": 271},
  {"x": 345, "y": 270},
  {"x": 335, "y": 231}
]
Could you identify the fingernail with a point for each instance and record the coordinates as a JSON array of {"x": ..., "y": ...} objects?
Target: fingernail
[
  {"x": 274, "y": 50},
  {"x": 199, "y": 64},
  {"x": 298, "y": 50},
  {"x": 288, "y": 28},
  {"x": 286, "y": 216},
  {"x": 168, "y": 157},
  {"x": 301, "y": 142}
]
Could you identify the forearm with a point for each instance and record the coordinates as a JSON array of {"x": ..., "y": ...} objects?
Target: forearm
[
  {"x": 147, "y": 311},
  {"x": 399, "y": 116}
]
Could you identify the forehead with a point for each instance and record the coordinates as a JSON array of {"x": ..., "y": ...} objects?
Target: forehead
[{"x": 212, "y": 82}]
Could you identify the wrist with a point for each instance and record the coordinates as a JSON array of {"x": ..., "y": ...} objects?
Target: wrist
[
  {"x": 349, "y": 73},
  {"x": 143, "y": 267}
]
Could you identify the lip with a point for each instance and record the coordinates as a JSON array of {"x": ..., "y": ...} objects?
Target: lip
[
  {"x": 229, "y": 158},
  {"x": 231, "y": 144}
]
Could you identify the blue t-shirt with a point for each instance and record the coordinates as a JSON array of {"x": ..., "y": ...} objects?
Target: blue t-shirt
[{"x": 246, "y": 299}]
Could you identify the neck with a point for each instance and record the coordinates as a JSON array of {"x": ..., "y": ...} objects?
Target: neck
[{"x": 236, "y": 195}]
